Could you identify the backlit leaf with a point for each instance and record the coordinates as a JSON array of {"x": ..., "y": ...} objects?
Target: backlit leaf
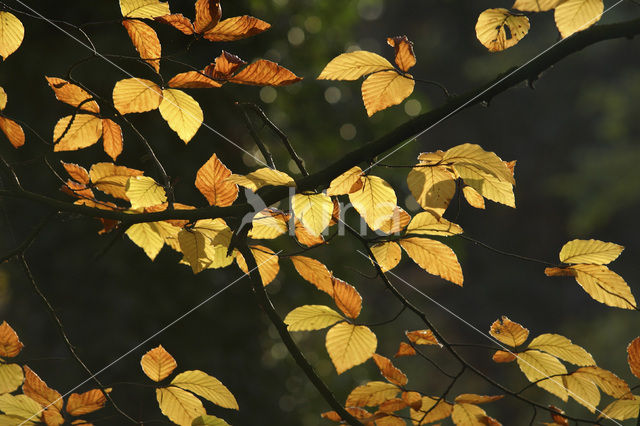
[
  {"x": 217, "y": 237},
  {"x": 262, "y": 177},
  {"x": 177, "y": 21},
  {"x": 487, "y": 185},
  {"x": 538, "y": 365},
  {"x": 144, "y": 9},
  {"x": 84, "y": 403},
  {"x": 13, "y": 131},
  {"x": 432, "y": 187},
  {"x": 111, "y": 138},
  {"x": 404, "y": 349},
  {"x": 193, "y": 80},
  {"x": 52, "y": 417},
  {"x": 473, "y": 197},
  {"x": 536, "y": 5},
  {"x": 375, "y": 201},
  {"x": 158, "y": 364},
  {"x": 503, "y": 356},
  {"x": 207, "y": 420},
  {"x": 404, "y": 58},
  {"x": 145, "y": 40},
  {"x": 267, "y": 262},
  {"x": 470, "y": 398},
  {"x": 604, "y": 285},
  {"x": 633, "y": 356},
  {"x": 136, "y": 95},
  {"x": 305, "y": 238},
  {"x": 84, "y": 131},
  {"x": 431, "y": 411},
  {"x": 562, "y": 348},
  {"x": 21, "y": 406},
  {"x": 152, "y": 236},
  {"x": 464, "y": 414},
  {"x": 182, "y": 112},
  {"x": 236, "y": 28},
  {"x": 422, "y": 337},
  {"x": 11, "y": 377},
  {"x": 35, "y": 388},
  {"x": 180, "y": 406},
  {"x": 346, "y": 182},
  {"x": 72, "y": 94},
  {"x": 225, "y": 66},
  {"x": 608, "y": 382},
  {"x": 353, "y": 65},
  {"x": 590, "y": 251},
  {"x": 577, "y": 15},
  {"x": 372, "y": 394},
  {"x": 315, "y": 272},
  {"x": 472, "y": 155},
  {"x": 499, "y": 29},
  {"x": 583, "y": 390},
  {"x": 10, "y": 344},
  {"x": 393, "y": 405},
  {"x": 11, "y": 34},
  {"x": 384, "y": 89},
  {"x": 314, "y": 211},
  {"x": 622, "y": 409},
  {"x": 207, "y": 387},
  {"x": 311, "y": 317},
  {"x": 396, "y": 223},
  {"x": 508, "y": 332},
  {"x": 387, "y": 255},
  {"x": 195, "y": 248},
  {"x": 427, "y": 223},
  {"x": 347, "y": 298},
  {"x": 210, "y": 181},
  {"x": 269, "y": 224},
  {"x": 3, "y": 99},
  {"x": 265, "y": 73},
  {"x": 389, "y": 371},
  {"x": 208, "y": 13},
  {"x": 434, "y": 257},
  {"x": 350, "y": 345},
  {"x": 143, "y": 191},
  {"x": 112, "y": 179}
]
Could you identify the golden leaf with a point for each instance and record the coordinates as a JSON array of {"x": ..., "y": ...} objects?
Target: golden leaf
[
  {"x": 387, "y": 255},
  {"x": 10, "y": 344},
  {"x": 193, "y": 80},
  {"x": 20, "y": 406},
  {"x": 404, "y": 58},
  {"x": 371, "y": 394},
  {"x": 311, "y": 317},
  {"x": 72, "y": 94},
  {"x": 35, "y": 388},
  {"x": 182, "y": 112},
  {"x": 633, "y": 356},
  {"x": 432, "y": 187},
  {"x": 3, "y": 99},
  {"x": 225, "y": 66},
  {"x": 464, "y": 414},
  {"x": 608, "y": 382},
  {"x": 262, "y": 177},
  {"x": 196, "y": 249},
  {"x": 13, "y": 131},
  {"x": 353, "y": 65},
  {"x": 207, "y": 420},
  {"x": 422, "y": 337},
  {"x": 604, "y": 285},
  {"x": 404, "y": 349},
  {"x": 210, "y": 181},
  {"x": 393, "y": 405},
  {"x": 375, "y": 201},
  {"x": 208, "y": 13},
  {"x": 313, "y": 211},
  {"x": 112, "y": 179},
  {"x": 136, "y": 95},
  {"x": 389, "y": 371},
  {"x": 11, "y": 377},
  {"x": 305, "y": 238},
  {"x": 11, "y": 34},
  {"x": 473, "y": 156},
  {"x": 622, "y": 409},
  {"x": 346, "y": 183},
  {"x": 384, "y": 89},
  {"x": 427, "y": 223},
  {"x": 347, "y": 298},
  {"x": 217, "y": 236},
  {"x": 350, "y": 345},
  {"x": 111, "y": 138},
  {"x": 267, "y": 262},
  {"x": 590, "y": 251},
  {"x": 84, "y": 131},
  {"x": 538, "y": 365},
  {"x": 577, "y": 15},
  {"x": 499, "y": 29},
  {"x": 236, "y": 28},
  {"x": 180, "y": 406},
  {"x": 473, "y": 197},
  {"x": 413, "y": 399},
  {"x": 396, "y": 223},
  {"x": 177, "y": 21},
  {"x": 437, "y": 410},
  {"x": 536, "y": 5},
  {"x": 561, "y": 347},
  {"x": 315, "y": 272},
  {"x": 52, "y": 417},
  {"x": 158, "y": 364},
  {"x": 582, "y": 389},
  {"x": 84, "y": 403},
  {"x": 207, "y": 387},
  {"x": 265, "y": 73},
  {"x": 145, "y": 40},
  {"x": 470, "y": 398},
  {"x": 508, "y": 332},
  {"x": 268, "y": 224},
  {"x": 143, "y": 191},
  {"x": 503, "y": 356},
  {"x": 144, "y": 9},
  {"x": 434, "y": 257}
]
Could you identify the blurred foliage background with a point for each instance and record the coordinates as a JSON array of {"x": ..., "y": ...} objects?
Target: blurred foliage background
[{"x": 574, "y": 136}]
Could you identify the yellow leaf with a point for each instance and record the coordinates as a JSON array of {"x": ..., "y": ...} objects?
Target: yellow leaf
[
  {"x": 136, "y": 95},
  {"x": 11, "y": 377},
  {"x": 633, "y": 356},
  {"x": 537, "y": 365},
  {"x": 311, "y": 317},
  {"x": 622, "y": 409},
  {"x": 207, "y": 420},
  {"x": 111, "y": 138},
  {"x": 422, "y": 337},
  {"x": 158, "y": 364},
  {"x": 464, "y": 414},
  {"x": 389, "y": 371},
  {"x": 347, "y": 298},
  {"x": 487, "y": 185},
  {"x": 84, "y": 131},
  {"x": 396, "y": 223},
  {"x": 147, "y": 237},
  {"x": 236, "y": 28},
  {"x": 112, "y": 179},
  {"x": 384, "y": 89},
  {"x": 35, "y": 388},
  {"x": 583, "y": 390},
  {"x": 72, "y": 94},
  {"x": 84, "y": 403},
  {"x": 471, "y": 155},
  {"x": 265, "y": 73},
  {"x": 508, "y": 332},
  {"x": 11, "y": 34},
  {"x": 405, "y": 58},
  {"x": 350, "y": 345},
  {"x": 375, "y": 201},
  {"x": 604, "y": 285},
  {"x": 432, "y": 187},
  {"x": 345, "y": 183},
  {"x": 499, "y": 29},
  {"x": 431, "y": 411},
  {"x": 473, "y": 197},
  {"x": 195, "y": 248},
  {"x": 427, "y": 223},
  {"x": 10, "y": 344},
  {"x": 315, "y": 272},
  {"x": 194, "y": 80},
  {"x": 353, "y": 65},
  {"x": 13, "y": 131},
  {"x": 21, "y": 406},
  {"x": 217, "y": 237},
  {"x": 470, "y": 398},
  {"x": 577, "y": 15},
  {"x": 3, "y": 99},
  {"x": 207, "y": 387},
  {"x": 143, "y": 192},
  {"x": 267, "y": 262},
  {"x": 393, "y": 405},
  {"x": 182, "y": 112},
  {"x": 210, "y": 181},
  {"x": 536, "y": 5},
  {"x": 313, "y": 211},
  {"x": 372, "y": 394},
  {"x": 145, "y": 40},
  {"x": 387, "y": 255},
  {"x": 590, "y": 251},
  {"x": 144, "y": 9},
  {"x": 608, "y": 382},
  {"x": 561, "y": 347},
  {"x": 180, "y": 406},
  {"x": 434, "y": 257},
  {"x": 262, "y": 177},
  {"x": 268, "y": 224}
]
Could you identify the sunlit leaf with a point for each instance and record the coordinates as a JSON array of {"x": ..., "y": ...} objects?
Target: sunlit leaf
[
  {"x": 633, "y": 356},
  {"x": 387, "y": 255},
  {"x": 350, "y": 345},
  {"x": 262, "y": 177},
  {"x": 236, "y": 28},
  {"x": 182, "y": 112},
  {"x": 470, "y": 398},
  {"x": 359, "y": 413},
  {"x": 372, "y": 394},
  {"x": 3, "y": 99},
  {"x": 404, "y": 349},
  {"x": 427, "y": 223},
  {"x": 84, "y": 403},
  {"x": 561, "y": 347},
  {"x": 144, "y": 9},
  {"x": 431, "y": 411},
  {"x": 11, "y": 377},
  {"x": 384, "y": 89},
  {"x": 225, "y": 66},
  {"x": 508, "y": 332},
  {"x": 76, "y": 132},
  {"x": 432, "y": 187},
  {"x": 207, "y": 387},
  {"x": 404, "y": 57},
  {"x": 311, "y": 317},
  {"x": 313, "y": 210},
  {"x": 217, "y": 236},
  {"x": 193, "y": 80},
  {"x": 499, "y": 29},
  {"x": 622, "y": 409},
  {"x": 152, "y": 236},
  {"x": 422, "y": 337},
  {"x": 305, "y": 238},
  {"x": 590, "y": 251},
  {"x": 353, "y": 65},
  {"x": 177, "y": 21},
  {"x": 414, "y": 399},
  {"x": 347, "y": 298},
  {"x": 72, "y": 94},
  {"x": 11, "y": 34},
  {"x": 464, "y": 414},
  {"x": 21, "y": 406},
  {"x": 13, "y": 131},
  {"x": 536, "y": 5},
  {"x": 393, "y": 405},
  {"x": 473, "y": 197},
  {"x": 194, "y": 246},
  {"x": 583, "y": 389},
  {"x": 315, "y": 272},
  {"x": 265, "y": 73},
  {"x": 267, "y": 262},
  {"x": 269, "y": 224},
  {"x": 434, "y": 257},
  {"x": 143, "y": 191},
  {"x": 577, "y": 15},
  {"x": 207, "y": 420},
  {"x": 396, "y": 223},
  {"x": 346, "y": 183},
  {"x": 10, "y": 344},
  {"x": 145, "y": 40},
  {"x": 180, "y": 406},
  {"x": 503, "y": 357},
  {"x": 112, "y": 179},
  {"x": 375, "y": 201},
  {"x": 389, "y": 371},
  {"x": 35, "y": 388},
  {"x": 208, "y": 13},
  {"x": 111, "y": 138},
  {"x": 210, "y": 181},
  {"x": 538, "y": 365},
  {"x": 158, "y": 364},
  {"x": 608, "y": 382},
  {"x": 604, "y": 285},
  {"x": 136, "y": 95}
]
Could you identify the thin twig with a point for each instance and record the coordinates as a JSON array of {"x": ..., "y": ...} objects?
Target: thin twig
[{"x": 256, "y": 138}]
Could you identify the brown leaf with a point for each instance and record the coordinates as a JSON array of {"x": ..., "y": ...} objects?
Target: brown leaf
[
  {"x": 559, "y": 272},
  {"x": 177, "y": 21},
  {"x": 35, "y": 388},
  {"x": 236, "y": 28},
  {"x": 226, "y": 64},
  {"x": 265, "y": 73},
  {"x": 157, "y": 364},
  {"x": 145, "y": 40},
  {"x": 508, "y": 332},
  {"x": 405, "y": 349},
  {"x": 422, "y": 337},
  {"x": 194, "y": 80},
  {"x": 84, "y": 403},
  {"x": 72, "y": 94},
  {"x": 389, "y": 371},
  {"x": 405, "y": 58},
  {"x": 504, "y": 356},
  {"x": 111, "y": 138},
  {"x": 305, "y": 238},
  {"x": 347, "y": 298},
  {"x": 413, "y": 399},
  {"x": 10, "y": 344},
  {"x": 13, "y": 131},
  {"x": 210, "y": 181},
  {"x": 633, "y": 356},
  {"x": 77, "y": 173},
  {"x": 52, "y": 417},
  {"x": 393, "y": 405},
  {"x": 77, "y": 190},
  {"x": 208, "y": 14}
]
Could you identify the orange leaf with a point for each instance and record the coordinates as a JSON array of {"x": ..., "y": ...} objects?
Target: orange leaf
[
  {"x": 177, "y": 21},
  {"x": 559, "y": 272},
  {"x": 393, "y": 405},
  {"x": 194, "y": 80},
  {"x": 267, "y": 262},
  {"x": 503, "y": 356},
  {"x": 145, "y": 40},
  {"x": 210, "y": 181},
  {"x": 77, "y": 173},
  {"x": 111, "y": 138},
  {"x": 10, "y": 344},
  {"x": 13, "y": 131},
  {"x": 405, "y": 58},
  {"x": 208, "y": 14},
  {"x": 405, "y": 349},
  {"x": 77, "y": 131},
  {"x": 226, "y": 64},
  {"x": 71, "y": 94},
  {"x": 633, "y": 351},
  {"x": 236, "y": 28},
  {"x": 315, "y": 272},
  {"x": 52, "y": 417},
  {"x": 35, "y": 388},
  {"x": 389, "y": 371},
  {"x": 305, "y": 238},
  {"x": 422, "y": 337},
  {"x": 84, "y": 403},
  {"x": 157, "y": 364},
  {"x": 77, "y": 190},
  {"x": 413, "y": 399},
  {"x": 347, "y": 298},
  {"x": 509, "y": 332},
  {"x": 265, "y": 73}
]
